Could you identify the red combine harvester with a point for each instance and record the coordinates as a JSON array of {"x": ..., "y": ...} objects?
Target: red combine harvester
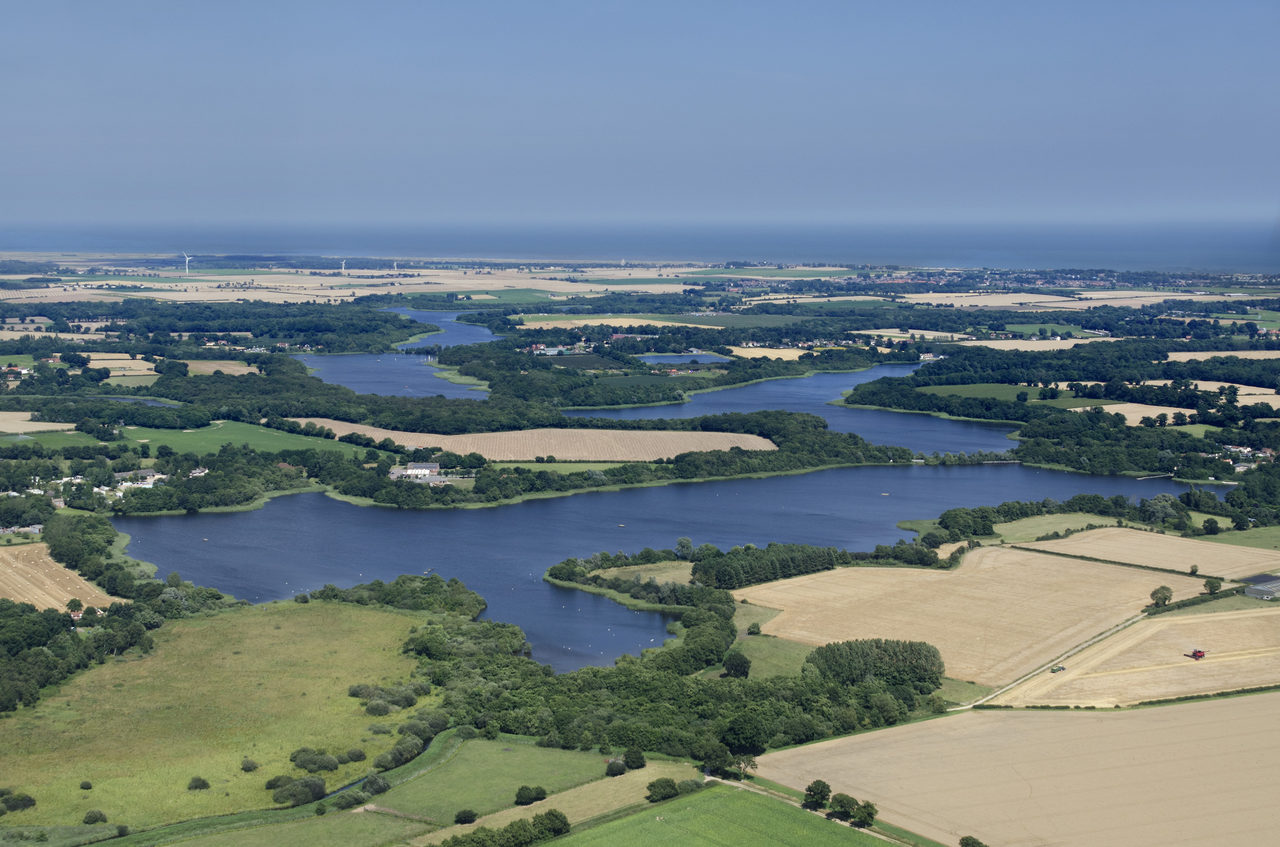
[{"x": 1195, "y": 654}]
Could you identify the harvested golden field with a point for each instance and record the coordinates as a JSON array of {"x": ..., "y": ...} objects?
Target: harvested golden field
[
  {"x": 1190, "y": 774},
  {"x": 1148, "y": 661},
  {"x": 1154, "y": 550},
  {"x": 20, "y": 422},
  {"x": 998, "y": 301},
  {"x": 1001, "y": 614},
  {"x": 121, "y": 365},
  {"x": 28, "y": 575},
  {"x": 227, "y": 366},
  {"x": 1247, "y": 393},
  {"x": 788, "y": 354},
  {"x": 621, "y": 321},
  {"x": 1190, "y": 356},
  {"x": 1034, "y": 343},
  {"x": 578, "y": 445},
  {"x": 1135, "y": 412}
]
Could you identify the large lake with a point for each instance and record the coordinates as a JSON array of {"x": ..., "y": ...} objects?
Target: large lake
[
  {"x": 407, "y": 375},
  {"x": 299, "y": 543}
]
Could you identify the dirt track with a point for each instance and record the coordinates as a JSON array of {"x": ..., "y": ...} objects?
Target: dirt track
[{"x": 1190, "y": 774}]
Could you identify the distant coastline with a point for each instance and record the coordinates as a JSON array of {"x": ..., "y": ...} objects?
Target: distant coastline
[{"x": 1212, "y": 247}]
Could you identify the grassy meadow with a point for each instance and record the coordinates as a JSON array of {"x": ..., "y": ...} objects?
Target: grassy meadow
[
  {"x": 721, "y": 816},
  {"x": 256, "y": 682},
  {"x": 210, "y": 439}
]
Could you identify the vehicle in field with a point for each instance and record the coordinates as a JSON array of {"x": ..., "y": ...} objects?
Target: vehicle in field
[
  {"x": 1196, "y": 654},
  {"x": 1057, "y": 668}
]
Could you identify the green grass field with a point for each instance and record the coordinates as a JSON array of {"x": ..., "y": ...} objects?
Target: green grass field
[
  {"x": 210, "y": 439},
  {"x": 1051, "y": 328},
  {"x": 65, "y": 438},
  {"x": 960, "y": 692},
  {"x": 1234, "y": 603},
  {"x": 674, "y": 571},
  {"x": 1029, "y": 529},
  {"x": 1262, "y": 537},
  {"x": 135, "y": 379},
  {"x": 721, "y": 816},
  {"x": 484, "y": 775},
  {"x": 336, "y": 828},
  {"x": 1000, "y": 391},
  {"x": 258, "y": 682},
  {"x": 771, "y": 656}
]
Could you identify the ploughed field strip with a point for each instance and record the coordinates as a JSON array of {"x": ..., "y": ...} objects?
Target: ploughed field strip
[
  {"x": 605, "y": 445},
  {"x": 1001, "y": 614},
  {"x": 28, "y": 575},
  {"x": 1151, "y": 661},
  {"x": 1097, "y": 779},
  {"x": 1118, "y": 544}
]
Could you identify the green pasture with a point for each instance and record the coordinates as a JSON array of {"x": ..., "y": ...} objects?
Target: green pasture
[
  {"x": 509, "y": 296},
  {"x": 770, "y": 655},
  {"x": 1051, "y": 328},
  {"x": 258, "y": 682},
  {"x": 55, "y": 439},
  {"x": 719, "y": 816},
  {"x": 366, "y": 829},
  {"x": 484, "y": 775},
  {"x": 660, "y": 572},
  {"x": 1009, "y": 393},
  {"x": 1029, "y": 529},
  {"x": 133, "y": 379},
  {"x": 210, "y": 439},
  {"x": 960, "y": 692},
  {"x": 1261, "y": 537},
  {"x": 18, "y": 360},
  {"x": 1234, "y": 603}
]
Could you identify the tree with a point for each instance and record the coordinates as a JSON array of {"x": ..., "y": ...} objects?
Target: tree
[
  {"x": 816, "y": 794},
  {"x": 662, "y": 789},
  {"x": 74, "y": 605},
  {"x": 615, "y": 768},
  {"x": 864, "y": 816},
  {"x": 528, "y": 794},
  {"x": 746, "y": 733},
  {"x": 1161, "y": 596},
  {"x": 736, "y": 664},
  {"x": 842, "y": 807},
  {"x": 95, "y": 816},
  {"x": 1213, "y": 585},
  {"x": 1211, "y": 526},
  {"x": 684, "y": 548},
  {"x": 465, "y": 816}
]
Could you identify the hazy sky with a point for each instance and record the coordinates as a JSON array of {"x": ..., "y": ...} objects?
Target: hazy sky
[{"x": 537, "y": 110}]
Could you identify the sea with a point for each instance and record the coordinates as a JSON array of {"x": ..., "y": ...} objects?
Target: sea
[{"x": 1209, "y": 247}]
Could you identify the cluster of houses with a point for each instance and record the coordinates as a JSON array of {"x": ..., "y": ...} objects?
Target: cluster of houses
[
  {"x": 1248, "y": 458},
  {"x": 423, "y": 473}
]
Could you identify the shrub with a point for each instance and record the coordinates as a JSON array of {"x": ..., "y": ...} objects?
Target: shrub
[
  {"x": 300, "y": 791},
  {"x": 550, "y": 823},
  {"x": 465, "y": 816},
  {"x": 278, "y": 782},
  {"x": 662, "y": 789},
  {"x": 17, "y": 801},
  {"x": 121, "y": 830},
  {"x": 688, "y": 786},
  {"x": 378, "y": 708},
  {"x": 466, "y": 733},
  {"x": 527, "y": 794},
  {"x": 753, "y": 628},
  {"x": 95, "y": 816},
  {"x": 970, "y": 841},
  {"x": 85, "y": 785},
  {"x": 379, "y": 729},
  {"x": 248, "y": 765},
  {"x": 197, "y": 783},
  {"x": 615, "y": 768},
  {"x": 355, "y": 754},
  {"x": 349, "y": 800},
  {"x": 375, "y": 784},
  {"x": 321, "y": 808},
  {"x": 633, "y": 759},
  {"x": 736, "y": 664}
]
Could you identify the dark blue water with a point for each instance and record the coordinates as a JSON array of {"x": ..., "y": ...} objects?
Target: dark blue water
[
  {"x": 410, "y": 375},
  {"x": 301, "y": 542},
  {"x": 1209, "y": 246},
  {"x": 681, "y": 358},
  {"x": 812, "y": 394},
  {"x": 142, "y": 401}
]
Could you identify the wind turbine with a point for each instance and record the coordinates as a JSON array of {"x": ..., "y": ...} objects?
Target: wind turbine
[
  {"x": 344, "y": 267},
  {"x": 188, "y": 258}
]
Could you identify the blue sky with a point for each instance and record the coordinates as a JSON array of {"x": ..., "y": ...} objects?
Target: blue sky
[{"x": 549, "y": 112}]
